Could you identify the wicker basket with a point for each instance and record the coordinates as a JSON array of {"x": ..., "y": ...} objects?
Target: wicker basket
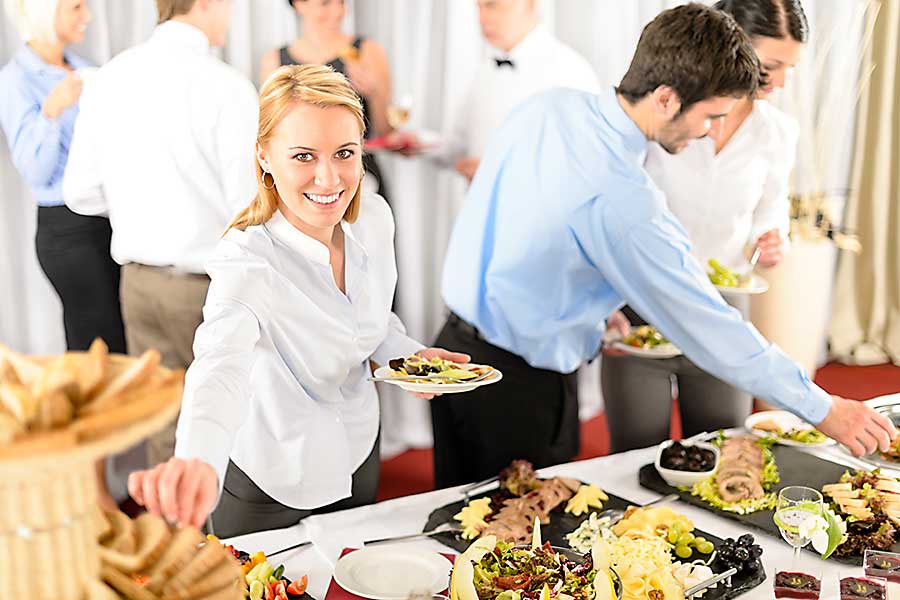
[{"x": 48, "y": 542}]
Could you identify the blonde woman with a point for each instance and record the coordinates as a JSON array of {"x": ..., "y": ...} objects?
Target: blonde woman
[
  {"x": 363, "y": 61},
  {"x": 279, "y": 419}
]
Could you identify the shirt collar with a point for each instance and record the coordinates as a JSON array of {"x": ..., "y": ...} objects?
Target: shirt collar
[
  {"x": 296, "y": 240},
  {"x": 309, "y": 247},
  {"x": 634, "y": 139},
  {"x": 182, "y": 34},
  {"x": 31, "y": 61},
  {"x": 529, "y": 46}
]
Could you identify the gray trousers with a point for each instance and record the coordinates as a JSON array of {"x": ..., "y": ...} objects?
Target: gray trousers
[
  {"x": 244, "y": 508},
  {"x": 637, "y": 396}
]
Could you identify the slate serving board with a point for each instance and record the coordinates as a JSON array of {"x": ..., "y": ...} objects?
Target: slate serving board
[
  {"x": 562, "y": 523},
  {"x": 795, "y": 468}
]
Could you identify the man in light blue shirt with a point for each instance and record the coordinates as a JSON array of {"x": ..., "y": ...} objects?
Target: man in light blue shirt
[{"x": 562, "y": 224}]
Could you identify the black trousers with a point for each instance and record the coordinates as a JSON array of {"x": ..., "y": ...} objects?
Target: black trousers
[
  {"x": 245, "y": 508},
  {"x": 530, "y": 414},
  {"x": 73, "y": 251}
]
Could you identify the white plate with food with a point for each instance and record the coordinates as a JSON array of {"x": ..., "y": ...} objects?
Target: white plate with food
[
  {"x": 392, "y": 573},
  {"x": 733, "y": 283},
  {"x": 646, "y": 342},
  {"x": 785, "y": 428},
  {"x": 436, "y": 375},
  {"x": 755, "y": 285}
]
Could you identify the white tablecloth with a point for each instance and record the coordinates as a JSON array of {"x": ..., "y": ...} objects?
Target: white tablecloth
[{"x": 617, "y": 474}]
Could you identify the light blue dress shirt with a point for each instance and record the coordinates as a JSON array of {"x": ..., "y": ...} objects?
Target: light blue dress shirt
[
  {"x": 562, "y": 225},
  {"x": 39, "y": 146}
]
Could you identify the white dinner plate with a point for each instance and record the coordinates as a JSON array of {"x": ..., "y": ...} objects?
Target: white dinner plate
[
  {"x": 786, "y": 421},
  {"x": 662, "y": 351},
  {"x": 757, "y": 285},
  {"x": 439, "y": 388},
  {"x": 392, "y": 573}
]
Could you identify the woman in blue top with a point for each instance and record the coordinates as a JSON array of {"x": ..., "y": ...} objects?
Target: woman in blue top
[{"x": 41, "y": 85}]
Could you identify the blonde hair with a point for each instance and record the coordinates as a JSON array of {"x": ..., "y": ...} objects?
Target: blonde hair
[
  {"x": 308, "y": 84},
  {"x": 173, "y": 8},
  {"x": 34, "y": 19}
]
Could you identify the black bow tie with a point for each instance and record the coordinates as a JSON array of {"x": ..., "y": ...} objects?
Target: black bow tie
[{"x": 504, "y": 62}]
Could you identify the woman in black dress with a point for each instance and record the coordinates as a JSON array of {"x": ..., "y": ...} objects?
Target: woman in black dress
[{"x": 363, "y": 61}]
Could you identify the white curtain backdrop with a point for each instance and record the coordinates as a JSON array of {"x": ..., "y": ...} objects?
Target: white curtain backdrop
[{"x": 433, "y": 46}]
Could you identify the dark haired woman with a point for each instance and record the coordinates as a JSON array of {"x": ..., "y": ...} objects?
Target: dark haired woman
[
  {"x": 730, "y": 192},
  {"x": 363, "y": 61}
]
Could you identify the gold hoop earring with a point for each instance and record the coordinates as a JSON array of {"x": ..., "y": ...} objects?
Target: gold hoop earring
[{"x": 272, "y": 187}]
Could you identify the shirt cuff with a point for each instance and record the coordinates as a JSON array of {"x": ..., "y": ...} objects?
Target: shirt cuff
[
  {"x": 817, "y": 406},
  {"x": 395, "y": 345},
  {"x": 207, "y": 441}
]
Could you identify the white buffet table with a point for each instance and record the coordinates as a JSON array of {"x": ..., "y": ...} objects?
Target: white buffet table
[{"x": 616, "y": 474}]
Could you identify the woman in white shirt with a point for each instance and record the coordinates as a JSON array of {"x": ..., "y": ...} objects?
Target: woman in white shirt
[
  {"x": 279, "y": 418},
  {"x": 730, "y": 192}
]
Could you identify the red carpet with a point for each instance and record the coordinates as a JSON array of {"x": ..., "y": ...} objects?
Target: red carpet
[{"x": 412, "y": 472}]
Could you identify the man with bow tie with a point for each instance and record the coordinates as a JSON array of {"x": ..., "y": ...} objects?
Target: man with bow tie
[{"x": 524, "y": 58}]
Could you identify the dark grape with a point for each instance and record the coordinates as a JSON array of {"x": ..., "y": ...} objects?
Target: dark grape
[
  {"x": 725, "y": 552},
  {"x": 746, "y": 540},
  {"x": 753, "y": 566},
  {"x": 728, "y": 543},
  {"x": 742, "y": 554},
  {"x": 755, "y": 551}
]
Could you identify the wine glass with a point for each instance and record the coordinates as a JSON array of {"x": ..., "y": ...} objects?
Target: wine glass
[
  {"x": 398, "y": 112},
  {"x": 796, "y": 504}
]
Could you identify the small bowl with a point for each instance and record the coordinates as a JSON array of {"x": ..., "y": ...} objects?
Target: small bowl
[{"x": 677, "y": 478}]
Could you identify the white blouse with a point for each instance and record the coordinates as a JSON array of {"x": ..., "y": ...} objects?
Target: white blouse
[
  {"x": 279, "y": 380},
  {"x": 726, "y": 201}
]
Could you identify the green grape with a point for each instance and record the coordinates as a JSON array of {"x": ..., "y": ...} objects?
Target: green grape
[
  {"x": 672, "y": 537},
  {"x": 706, "y": 547},
  {"x": 698, "y": 540},
  {"x": 685, "y": 539},
  {"x": 683, "y": 551},
  {"x": 675, "y": 527}
]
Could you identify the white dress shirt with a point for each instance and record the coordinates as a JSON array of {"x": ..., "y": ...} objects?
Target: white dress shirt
[
  {"x": 726, "y": 201},
  {"x": 540, "y": 62},
  {"x": 164, "y": 145},
  {"x": 279, "y": 380}
]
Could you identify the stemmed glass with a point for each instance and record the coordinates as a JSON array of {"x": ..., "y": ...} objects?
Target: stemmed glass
[
  {"x": 398, "y": 112},
  {"x": 796, "y": 504}
]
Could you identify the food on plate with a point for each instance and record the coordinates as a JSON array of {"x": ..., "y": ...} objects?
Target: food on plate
[
  {"x": 673, "y": 527},
  {"x": 587, "y": 497},
  {"x": 790, "y": 584},
  {"x": 802, "y": 435},
  {"x": 509, "y": 514},
  {"x": 261, "y": 579},
  {"x": 869, "y": 503},
  {"x": 472, "y": 516},
  {"x": 646, "y": 337},
  {"x": 437, "y": 370},
  {"x": 862, "y": 588},
  {"x": 687, "y": 458},
  {"x": 746, "y": 473},
  {"x": 146, "y": 559},
  {"x": 742, "y": 554},
  {"x": 591, "y": 529},
  {"x": 893, "y": 453},
  {"x": 655, "y": 548},
  {"x": 495, "y": 570},
  {"x": 723, "y": 276},
  {"x": 53, "y": 402}
]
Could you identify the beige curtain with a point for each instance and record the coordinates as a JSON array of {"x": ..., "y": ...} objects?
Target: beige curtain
[{"x": 865, "y": 325}]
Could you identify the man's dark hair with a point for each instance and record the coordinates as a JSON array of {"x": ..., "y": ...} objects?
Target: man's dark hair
[
  {"x": 697, "y": 51},
  {"x": 778, "y": 19}
]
